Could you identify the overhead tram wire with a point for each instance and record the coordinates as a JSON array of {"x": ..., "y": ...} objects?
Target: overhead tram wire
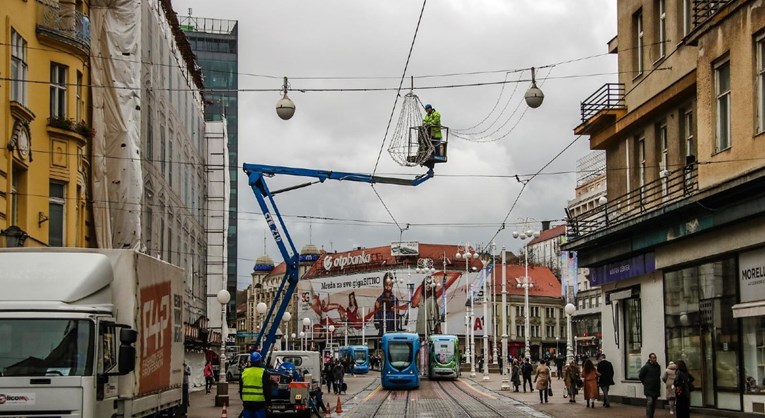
[{"x": 392, "y": 112}]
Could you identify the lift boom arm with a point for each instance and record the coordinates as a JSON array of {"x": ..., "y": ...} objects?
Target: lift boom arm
[{"x": 257, "y": 174}]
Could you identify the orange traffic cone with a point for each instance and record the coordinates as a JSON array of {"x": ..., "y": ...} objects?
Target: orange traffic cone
[
  {"x": 224, "y": 412},
  {"x": 328, "y": 414},
  {"x": 339, "y": 407}
]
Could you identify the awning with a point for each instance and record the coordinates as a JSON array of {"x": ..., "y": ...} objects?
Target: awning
[{"x": 749, "y": 309}]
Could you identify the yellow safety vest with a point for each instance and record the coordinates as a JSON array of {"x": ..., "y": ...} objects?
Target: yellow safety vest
[{"x": 252, "y": 384}]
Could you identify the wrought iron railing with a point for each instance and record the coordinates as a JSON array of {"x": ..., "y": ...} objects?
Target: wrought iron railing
[
  {"x": 65, "y": 22},
  {"x": 704, "y": 9},
  {"x": 609, "y": 96},
  {"x": 673, "y": 187}
]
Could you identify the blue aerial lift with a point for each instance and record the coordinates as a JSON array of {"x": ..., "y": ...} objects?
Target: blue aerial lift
[{"x": 257, "y": 175}]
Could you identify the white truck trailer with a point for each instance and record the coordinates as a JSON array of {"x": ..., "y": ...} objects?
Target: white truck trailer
[{"x": 89, "y": 333}]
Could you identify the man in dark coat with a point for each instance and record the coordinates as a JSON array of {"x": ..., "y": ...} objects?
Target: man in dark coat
[
  {"x": 526, "y": 371},
  {"x": 606, "y": 379},
  {"x": 650, "y": 375}
]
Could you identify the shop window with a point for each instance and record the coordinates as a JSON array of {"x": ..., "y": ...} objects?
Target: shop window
[
  {"x": 633, "y": 336},
  {"x": 754, "y": 354}
]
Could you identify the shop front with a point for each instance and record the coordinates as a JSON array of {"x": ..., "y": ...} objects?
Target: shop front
[{"x": 751, "y": 312}]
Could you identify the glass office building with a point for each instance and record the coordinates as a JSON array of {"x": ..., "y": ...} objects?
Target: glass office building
[{"x": 215, "y": 43}]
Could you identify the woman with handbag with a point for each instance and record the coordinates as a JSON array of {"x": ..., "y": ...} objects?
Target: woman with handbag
[
  {"x": 542, "y": 380},
  {"x": 590, "y": 377},
  {"x": 683, "y": 387},
  {"x": 571, "y": 378}
]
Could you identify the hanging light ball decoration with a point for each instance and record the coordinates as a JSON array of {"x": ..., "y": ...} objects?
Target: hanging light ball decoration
[
  {"x": 285, "y": 107},
  {"x": 534, "y": 96}
]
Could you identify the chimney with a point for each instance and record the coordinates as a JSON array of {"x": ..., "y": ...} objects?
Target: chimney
[{"x": 545, "y": 225}]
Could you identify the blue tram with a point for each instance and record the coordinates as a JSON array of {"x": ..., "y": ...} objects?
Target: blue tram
[
  {"x": 444, "y": 357},
  {"x": 400, "y": 351},
  {"x": 356, "y": 357}
]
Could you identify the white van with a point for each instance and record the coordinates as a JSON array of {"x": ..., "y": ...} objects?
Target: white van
[
  {"x": 237, "y": 364},
  {"x": 309, "y": 361}
]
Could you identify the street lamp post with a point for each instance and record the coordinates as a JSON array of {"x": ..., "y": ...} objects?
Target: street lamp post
[
  {"x": 505, "y": 381},
  {"x": 286, "y": 319},
  {"x": 302, "y": 340},
  {"x": 467, "y": 255},
  {"x": 494, "y": 299},
  {"x": 526, "y": 284},
  {"x": 485, "y": 350},
  {"x": 221, "y": 397},
  {"x": 570, "y": 309},
  {"x": 307, "y": 323},
  {"x": 331, "y": 330}
]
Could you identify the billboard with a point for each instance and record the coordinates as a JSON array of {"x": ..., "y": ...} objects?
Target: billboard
[
  {"x": 394, "y": 300},
  {"x": 404, "y": 248}
]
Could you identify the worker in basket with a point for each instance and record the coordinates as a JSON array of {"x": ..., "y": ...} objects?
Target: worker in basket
[{"x": 431, "y": 124}]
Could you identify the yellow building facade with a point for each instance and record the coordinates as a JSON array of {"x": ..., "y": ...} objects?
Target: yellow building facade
[{"x": 45, "y": 123}]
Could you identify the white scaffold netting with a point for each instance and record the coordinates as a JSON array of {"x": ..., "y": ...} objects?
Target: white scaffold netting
[{"x": 409, "y": 146}]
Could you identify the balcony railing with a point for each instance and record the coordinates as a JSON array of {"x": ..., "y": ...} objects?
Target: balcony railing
[
  {"x": 609, "y": 96},
  {"x": 704, "y": 9},
  {"x": 674, "y": 187},
  {"x": 64, "y": 22}
]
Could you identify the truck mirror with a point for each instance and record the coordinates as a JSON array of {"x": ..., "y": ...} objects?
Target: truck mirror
[
  {"x": 127, "y": 359},
  {"x": 128, "y": 336}
]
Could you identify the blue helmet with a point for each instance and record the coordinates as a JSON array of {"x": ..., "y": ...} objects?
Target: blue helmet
[
  {"x": 428, "y": 106},
  {"x": 255, "y": 357},
  {"x": 287, "y": 367}
]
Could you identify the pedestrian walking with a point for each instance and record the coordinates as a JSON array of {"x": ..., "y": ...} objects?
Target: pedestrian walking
[
  {"x": 338, "y": 373},
  {"x": 526, "y": 370},
  {"x": 571, "y": 379},
  {"x": 650, "y": 376},
  {"x": 329, "y": 376},
  {"x": 590, "y": 378},
  {"x": 668, "y": 377},
  {"x": 683, "y": 384},
  {"x": 516, "y": 376},
  {"x": 606, "y": 378},
  {"x": 542, "y": 380},
  {"x": 208, "y": 373}
]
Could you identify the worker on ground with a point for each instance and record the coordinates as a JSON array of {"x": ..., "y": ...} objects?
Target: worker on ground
[
  {"x": 431, "y": 122},
  {"x": 254, "y": 388}
]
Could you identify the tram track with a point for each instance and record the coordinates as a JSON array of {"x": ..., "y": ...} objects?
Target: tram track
[{"x": 447, "y": 387}]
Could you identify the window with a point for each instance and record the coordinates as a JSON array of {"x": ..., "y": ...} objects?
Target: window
[
  {"x": 58, "y": 74},
  {"x": 686, "y": 14},
  {"x": 19, "y": 68},
  {"x": 633, "y": 336},
  {"x": 18, "y": 193},
  {"x": 162, "y": 148},
  {"x": 686, "y": 131},
  {"x": 170, "y": 155},
  {"x": 661, "y": 136},
  {"x": 56, "y": 215},
  {"x": 519, "y": 331},
  {"x": 637, "y": 56},
  {"x": 550, "y": 312},
  {"x": 149, "y": 134},
  {"x": 641, "y": 161},
  {"x": 661, "y": 27},
  {"x": 78, "y": 95},
  {"x": 722, "y": 110},
  {"x": 551, "y": 331},
  {"x": 519, "y": 311},
  {"x": 534, "y": 311},
  {"x": 760, "y": 45},
  {"x": 535, "y": 331}
]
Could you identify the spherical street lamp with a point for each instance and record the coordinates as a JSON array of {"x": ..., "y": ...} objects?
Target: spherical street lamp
[
  {"x": 526, "y": 285},
  {"x": 331, "y": 332},
  {"x": 570, "y": 309},
  {"x": 302, "y": 339},
  {"x": 285, "y": 107},
  {"x": 221, "y": 396},
  {"x": 534, "y": 95}
]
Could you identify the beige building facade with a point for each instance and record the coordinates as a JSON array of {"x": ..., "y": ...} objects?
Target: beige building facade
[{"x": 679, "y": 245}]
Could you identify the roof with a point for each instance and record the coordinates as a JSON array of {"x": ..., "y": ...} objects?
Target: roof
[
  {"x": 544, "y": 281},
  {"x": 549, "y": 234}
]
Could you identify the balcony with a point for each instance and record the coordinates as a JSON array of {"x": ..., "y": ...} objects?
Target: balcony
[
  {"x": 651, "y": 197},
  {"x": 704, "y": 9},
  {"x": 602, "y": 108},
  {"x": 63, "y": 26}
]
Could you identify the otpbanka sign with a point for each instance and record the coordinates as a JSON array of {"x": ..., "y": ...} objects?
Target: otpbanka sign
[{"x": 341, "y": 261}]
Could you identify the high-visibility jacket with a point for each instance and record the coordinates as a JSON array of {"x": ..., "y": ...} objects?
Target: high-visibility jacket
[
  {"x": 252, "y": 384},
  {"x": 433, "y": 120}
]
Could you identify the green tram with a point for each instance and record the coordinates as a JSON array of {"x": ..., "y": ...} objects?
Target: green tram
[{"x": 444, "y": 357}]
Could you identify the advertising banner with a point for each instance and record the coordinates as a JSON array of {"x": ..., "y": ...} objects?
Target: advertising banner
[{"x": 389, "y": 301}]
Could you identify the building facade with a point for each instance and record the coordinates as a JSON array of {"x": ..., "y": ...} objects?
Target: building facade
[
  {"x": 215, "y": 43},
  {"x": 45, "y": 124},
  {"x": 678, "y": 247}
]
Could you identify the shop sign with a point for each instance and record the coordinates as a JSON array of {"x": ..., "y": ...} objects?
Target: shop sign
[
  {"x": 624, "y": 269},
  {"x": 751, "y": 275},
  {"x": 404, "y": 249}
]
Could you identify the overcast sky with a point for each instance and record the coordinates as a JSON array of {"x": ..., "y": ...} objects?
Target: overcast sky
[{"x": 360, "y": 44}]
